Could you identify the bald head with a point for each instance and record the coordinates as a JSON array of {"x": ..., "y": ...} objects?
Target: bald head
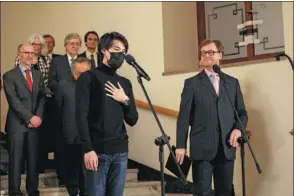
[
  {"x": 26, "y": 54},
  {"x": 24, "y": 47}
]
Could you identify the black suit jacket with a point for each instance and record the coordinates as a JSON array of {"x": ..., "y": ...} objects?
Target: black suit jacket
[
  {"x": 55, "y": 55},
  {"x": 205, "y": 112},
  {"x": 84, "y": 55},
  {"x": 65, "y": 99},
  {"x": 59, "y": 70},
  {"x": 23, "y": 104}
]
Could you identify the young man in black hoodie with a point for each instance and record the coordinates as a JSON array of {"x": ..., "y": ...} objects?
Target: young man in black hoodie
[{"x": 104, "y": 101}]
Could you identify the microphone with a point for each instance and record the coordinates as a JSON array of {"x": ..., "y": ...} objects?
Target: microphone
[
  {"x": 217, "y": 70},
  {"x": 131, "y": 60}
]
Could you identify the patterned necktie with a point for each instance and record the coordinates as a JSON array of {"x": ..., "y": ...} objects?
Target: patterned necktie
[
  {"x": 49, "y": 59},
  {"x": 93, "y": 64},
  {"x": 215, "y": 82},
  {"x": 29, "y": 80}
]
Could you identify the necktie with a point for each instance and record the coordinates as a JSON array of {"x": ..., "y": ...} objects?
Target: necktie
[
  {"x": 29, "y": 80},
  {"x": 49, "y": 59},
  {"x": 215, "y": 83},
  {"x": 93, "y": 64}
]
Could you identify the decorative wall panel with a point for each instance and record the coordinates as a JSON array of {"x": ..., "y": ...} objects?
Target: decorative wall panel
[{"x": 221, "y": 20}]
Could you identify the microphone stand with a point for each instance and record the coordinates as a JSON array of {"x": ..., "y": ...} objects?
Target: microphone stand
[
  {"x": 242, "y": 140},
  {"x": 161, "y": 141},
  {"x": 278, "y": 58}
]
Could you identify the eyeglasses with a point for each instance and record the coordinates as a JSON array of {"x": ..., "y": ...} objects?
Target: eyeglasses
[
  {"x": 74, "y": 43},
  {"x": 28, "y": 53},
  {"x": 39, "y": 45},
  {"x": 209, "y": 52}
]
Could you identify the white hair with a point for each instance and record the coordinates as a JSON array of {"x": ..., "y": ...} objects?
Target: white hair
[{"x": 44, "y": 49}]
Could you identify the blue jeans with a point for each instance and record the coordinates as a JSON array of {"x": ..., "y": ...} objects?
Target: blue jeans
[{"x": 110, "y": 177}]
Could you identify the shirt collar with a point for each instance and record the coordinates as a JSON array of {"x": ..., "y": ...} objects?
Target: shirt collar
[
  {"x": 69, "y": 57},
  {"x": 209, "y": 73},
  {"x": 23, "y": 69},
  {"x": 88, "y": 53}
]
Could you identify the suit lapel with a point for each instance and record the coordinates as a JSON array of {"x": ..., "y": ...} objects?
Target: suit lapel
[
  {"x": 36, "y": 81},
  {"x": 222, "y": 90},
  {"x": 207, "y": 83},
  {"x": 66, "y": 62},
  {"x": 21, "y": 76}
]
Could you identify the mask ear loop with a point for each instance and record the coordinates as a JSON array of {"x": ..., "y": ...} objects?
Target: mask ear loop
[{"x": 105, "y": 54}]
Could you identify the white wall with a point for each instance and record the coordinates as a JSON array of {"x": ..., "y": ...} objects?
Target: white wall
[{"x": 267, "y": 87}]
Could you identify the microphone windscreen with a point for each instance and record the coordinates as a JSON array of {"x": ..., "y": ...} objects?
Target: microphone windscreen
[
  {"x": 216, "y": 68},
  {"x": 129, "y": 58}
]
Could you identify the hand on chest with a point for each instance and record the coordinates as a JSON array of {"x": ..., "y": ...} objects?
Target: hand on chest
[{"x": 116, "y": 90}]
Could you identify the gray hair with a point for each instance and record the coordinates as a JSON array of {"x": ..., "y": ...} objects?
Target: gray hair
[
  {"x": 81, "y": 60},
  {"x": 44, "y": 49},
  {"x": 72, "y": 36}
]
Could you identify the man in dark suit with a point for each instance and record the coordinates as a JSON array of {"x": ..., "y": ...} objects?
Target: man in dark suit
[
  {"x": 25, "y": 94},
  {"x": 65, "y": 99},
  {"x": 50, "y": 43},
  {"x": 91, "y": 40},
  {"x": 61, "y": 69},
  {"x": 214, "y": 127}
]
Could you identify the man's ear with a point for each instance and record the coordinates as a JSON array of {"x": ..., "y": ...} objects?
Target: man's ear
[{"x": 220, "y": 55}]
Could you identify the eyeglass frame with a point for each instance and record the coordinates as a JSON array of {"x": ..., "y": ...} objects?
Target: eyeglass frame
[{"x": 209, "y": 52}]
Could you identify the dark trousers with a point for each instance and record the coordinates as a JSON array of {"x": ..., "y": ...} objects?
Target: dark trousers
[
  {"x": 75, "y": 180},
  {"x": 47, "y": 134},
  {"x": 222, "y": 171},
  {"x": 110, "y": 178},
  {"x": 60, "y": 159},
  {"x": 23, "y": 146}
]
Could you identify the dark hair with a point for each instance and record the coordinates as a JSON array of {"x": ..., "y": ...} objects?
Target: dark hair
[
  {"x": 106, "y": 40},
  {"x": 47, "y": 36},
  {"x": 88, "y": 33}
]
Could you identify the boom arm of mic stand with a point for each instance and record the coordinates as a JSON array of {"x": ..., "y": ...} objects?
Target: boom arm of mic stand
[
  {"x": 183, "y": 179},
  {"x": 287, "y": 56},
  {"x": 245, "y": 136}
]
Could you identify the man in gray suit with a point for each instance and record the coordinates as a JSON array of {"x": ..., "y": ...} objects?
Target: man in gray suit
[
  {"x": 65, "y": 99},
  {"x": 25, "y": 94},
  {"x": 214, "y": 126}
]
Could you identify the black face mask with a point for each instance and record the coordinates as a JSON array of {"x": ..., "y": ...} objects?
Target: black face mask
[{"x": 116, "y": 59}]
